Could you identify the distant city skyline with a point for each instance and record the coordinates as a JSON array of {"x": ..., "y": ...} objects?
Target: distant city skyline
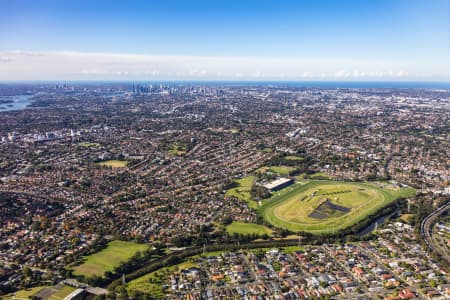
[{"x": 225, "y": 40}]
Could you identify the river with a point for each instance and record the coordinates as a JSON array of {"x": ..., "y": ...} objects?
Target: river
[
  {"x": 371, "y": 227},
  {"x": 19, "y": 102}
]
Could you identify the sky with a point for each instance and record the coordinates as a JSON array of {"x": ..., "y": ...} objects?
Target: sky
[{"x": 299, "y": 40}]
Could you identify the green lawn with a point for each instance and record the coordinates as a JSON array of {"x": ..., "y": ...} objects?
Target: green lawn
[
  {"x": 266, "y": 150},
  {"x": 248, "y": 228},
  {"x": 320, "y": 176},
  {"x": 243, "y": 191},
  {"x": 292, "y": 157},
  {"x": 407, "y": 218},
  {"x": 287, "y": 250},
  {"x": 62, "y": 293},
  {"x": 28, "y": 293},
  {"x": 25, "y": 294},
  {"x": 107, "y": 259},
  {"x": 114, "y": 163},
  {"x": 177, "y": 149},
  {"x": 88, "y": 144},
  {"x": 281, "y": 170},
  {"x": 292, "y": 249},
  {"x": 153, "y": 282},
  {"x": 292, "y": 207}
]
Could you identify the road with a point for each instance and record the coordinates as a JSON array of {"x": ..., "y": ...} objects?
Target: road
[{"x": 427, "y": 230}]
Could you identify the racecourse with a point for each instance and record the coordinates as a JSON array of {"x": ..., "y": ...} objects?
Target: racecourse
[{"x": 324, "y": 206}]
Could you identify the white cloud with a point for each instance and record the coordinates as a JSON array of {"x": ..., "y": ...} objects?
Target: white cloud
[
  {"x": 91, "y": 72},
  {"x": 66, "y": 65},
  {"x": 5, "y": 59},
  {"x": 256, "y": 74},
  {"x": 402, "y": 73}
]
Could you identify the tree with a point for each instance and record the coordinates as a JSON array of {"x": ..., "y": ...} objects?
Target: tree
[
  {"x": 122, "y": 291},
  {"x": 226, "y": 220},
  {"x": 35, "y": 226},
  {"x": 433, "y": 283},
  {"x": 27, "y": 272}
]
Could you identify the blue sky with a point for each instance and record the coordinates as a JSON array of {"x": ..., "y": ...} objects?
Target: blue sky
[{"x": 330, "y": 40}]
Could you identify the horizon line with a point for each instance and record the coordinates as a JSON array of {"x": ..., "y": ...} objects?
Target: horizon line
[{"x": 219, "y": 80}]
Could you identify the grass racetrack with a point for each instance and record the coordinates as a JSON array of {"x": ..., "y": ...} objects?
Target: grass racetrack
[
  {"x": 328, "y": 206},
  {"x": 107, "y": 259}
]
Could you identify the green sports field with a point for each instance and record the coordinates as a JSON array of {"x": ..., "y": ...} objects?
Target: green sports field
[
  {"x": 177, "y": 149},
  {"x": 62, "y": 293},
  {"x": 243, "y": 191},
  {"x": 281, "y": 170},
  {"x": 107, "y": 259},
  {"x": 24, "y": 294},
  {"x": 88, "y": 144},
  {"x": 56, "y": 293},
  {"x": 293, "y": 157},
  {"x": 327, "y": 206},
  {"x": 114, "y": 163},
  {"x": 248, "y": 228}
]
